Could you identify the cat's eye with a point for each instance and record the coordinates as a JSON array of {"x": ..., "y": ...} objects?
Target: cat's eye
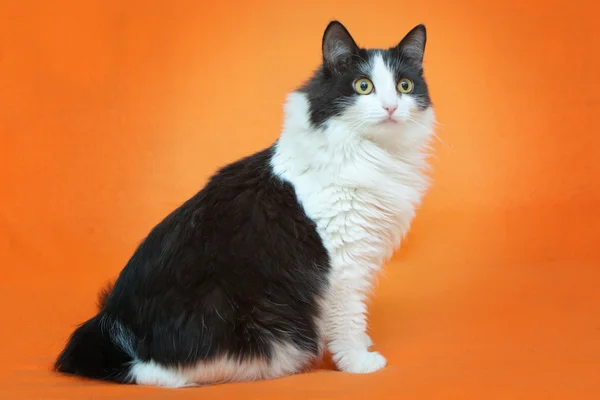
[
  {"x": 405, "y": 85},
  {"x": 363, "y": 86}
]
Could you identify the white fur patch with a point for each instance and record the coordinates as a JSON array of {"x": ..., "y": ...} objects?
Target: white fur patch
[
  {"x": 360, "y": 181},
  {"x": 153, "y": 374},
  {"x": 286, "y": 360}
]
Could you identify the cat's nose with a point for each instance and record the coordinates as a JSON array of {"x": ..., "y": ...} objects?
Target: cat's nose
[{"x": 390, "y": 109}]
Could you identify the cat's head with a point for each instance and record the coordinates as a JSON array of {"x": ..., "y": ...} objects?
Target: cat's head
[{"x": 373, "y": 92}]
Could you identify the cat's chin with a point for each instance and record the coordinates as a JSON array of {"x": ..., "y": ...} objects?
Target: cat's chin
[
  {"x": 388, "y": 126},
  {"x": 384, "y": 135}
]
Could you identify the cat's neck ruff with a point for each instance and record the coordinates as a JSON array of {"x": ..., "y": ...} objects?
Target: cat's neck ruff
[
  {"x": 351, "y": 186},
  {"x": 340, "y": 153}
]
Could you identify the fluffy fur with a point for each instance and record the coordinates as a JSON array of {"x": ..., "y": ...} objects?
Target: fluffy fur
[{"x": 272, "y": 261}]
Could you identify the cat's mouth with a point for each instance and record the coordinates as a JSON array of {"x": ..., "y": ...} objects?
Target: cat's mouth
[{"x": 389, "y": 121}]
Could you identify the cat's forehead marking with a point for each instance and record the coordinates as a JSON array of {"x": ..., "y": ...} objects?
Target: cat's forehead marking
[
  {"x": 383, "y": 78},
  {"x": 380, "y": 72}
]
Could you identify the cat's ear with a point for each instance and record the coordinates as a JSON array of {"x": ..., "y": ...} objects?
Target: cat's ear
[
  {"x": 413, "y": 44},
  {"x": 338, "y": 45}
]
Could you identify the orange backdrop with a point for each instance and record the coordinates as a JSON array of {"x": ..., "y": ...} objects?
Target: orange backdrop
[{"x": 112, "y": 113}]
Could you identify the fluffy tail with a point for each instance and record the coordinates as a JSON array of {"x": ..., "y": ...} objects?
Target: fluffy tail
[{"x": 99, "y": 349}]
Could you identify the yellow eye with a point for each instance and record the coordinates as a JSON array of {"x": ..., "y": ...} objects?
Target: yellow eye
[
  {"x": 405, "y": 85},
  {"x": 363, "y": 86}
]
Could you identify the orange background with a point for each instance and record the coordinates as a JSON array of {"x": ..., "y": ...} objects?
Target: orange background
[{"x": 112, "y": 113}]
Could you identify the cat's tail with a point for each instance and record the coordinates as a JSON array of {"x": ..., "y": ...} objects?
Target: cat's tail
[{"x": 101, "y": 348}]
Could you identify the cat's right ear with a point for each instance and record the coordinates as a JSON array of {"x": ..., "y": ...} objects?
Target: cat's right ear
[
  {"x": 338, "y": 46},
  {"x": 413, "y": 44}
]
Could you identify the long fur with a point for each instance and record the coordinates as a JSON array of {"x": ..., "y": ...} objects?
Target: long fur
[
  {"x": 103, "y": 294},
  {"x": 271, "y": 262}
]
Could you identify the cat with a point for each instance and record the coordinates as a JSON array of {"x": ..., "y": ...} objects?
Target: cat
[{"x": 270, "y": 264}]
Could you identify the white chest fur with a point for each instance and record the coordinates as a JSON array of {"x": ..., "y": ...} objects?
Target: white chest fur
[
  {"x": 361, "y": 197},
  {"x": 359, "y": 224}
]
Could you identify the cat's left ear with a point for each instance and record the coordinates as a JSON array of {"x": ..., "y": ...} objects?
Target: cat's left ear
[{"x": 413, "y": 44}]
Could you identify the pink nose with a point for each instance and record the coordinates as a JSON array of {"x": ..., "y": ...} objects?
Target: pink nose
[{"x": 390, "y": 109}]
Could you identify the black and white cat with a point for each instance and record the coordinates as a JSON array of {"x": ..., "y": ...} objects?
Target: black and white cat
[{"x": 271, "y": 262}]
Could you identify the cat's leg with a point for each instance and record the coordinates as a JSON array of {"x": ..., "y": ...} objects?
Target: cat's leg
[
  {"x": 368, "y": 342},
  {"x": 346, "y": 326}
]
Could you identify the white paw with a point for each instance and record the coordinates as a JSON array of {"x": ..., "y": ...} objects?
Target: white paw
[
  {"x": 367, "y": 341},
  {"x": 360, "y": 362}
]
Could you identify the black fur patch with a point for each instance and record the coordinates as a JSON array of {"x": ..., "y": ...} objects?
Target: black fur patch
[{"x": 236, "y": 268}]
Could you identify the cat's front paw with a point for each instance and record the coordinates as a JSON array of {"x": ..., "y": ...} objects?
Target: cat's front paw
[{"x": 360, "y": 362}]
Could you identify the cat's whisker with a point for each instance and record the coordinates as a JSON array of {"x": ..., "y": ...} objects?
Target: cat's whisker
[{"x": 433, "y": 133}]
